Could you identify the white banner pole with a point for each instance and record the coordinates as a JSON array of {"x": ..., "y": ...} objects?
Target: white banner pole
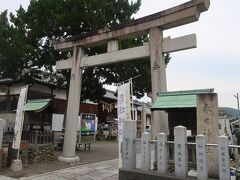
[{"x": 19, "y": 119}]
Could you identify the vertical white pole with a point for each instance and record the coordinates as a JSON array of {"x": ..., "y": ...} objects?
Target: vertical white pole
[
  {"x": 162, "y": 153},
  {"x": 23, "y": 116},
  {"x": 180, "y": 151},
  {"x": 202, "y": 165}
]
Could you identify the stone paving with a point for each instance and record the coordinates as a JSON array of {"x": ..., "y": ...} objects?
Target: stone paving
[
  {"x": 100, "y": 151},
  {"x": 105, "y": 170},
  {"x": 101, "y": 170}
]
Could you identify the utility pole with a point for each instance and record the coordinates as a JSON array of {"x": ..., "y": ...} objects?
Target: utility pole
[{"x": 237, "y": 97}]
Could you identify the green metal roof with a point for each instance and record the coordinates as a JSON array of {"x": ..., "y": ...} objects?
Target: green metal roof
[
  {"x": 36, "y": 104},
  {"x": 178, "y": 99},
  {"x": 186, "y": 92}
]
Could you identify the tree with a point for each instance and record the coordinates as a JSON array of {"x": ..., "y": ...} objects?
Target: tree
[
  {"x": 53, "y": 19},
  {"x": 17, "y": 55},
  {"x": 12, "y": 49}
]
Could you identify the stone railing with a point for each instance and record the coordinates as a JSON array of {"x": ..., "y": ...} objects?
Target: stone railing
[
  {"x": 180, "y": 160},
  {"x": 38, "y": 137}
]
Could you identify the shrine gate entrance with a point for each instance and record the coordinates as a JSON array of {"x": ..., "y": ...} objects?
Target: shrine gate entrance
[{"x": 154, "y": 25}]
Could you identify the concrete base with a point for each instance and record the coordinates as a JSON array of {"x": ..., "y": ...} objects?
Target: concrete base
[
  {"x": 16, "y": 165},
  {"x": 69, "y": 159},
  {"x": 137, "y": 174}
]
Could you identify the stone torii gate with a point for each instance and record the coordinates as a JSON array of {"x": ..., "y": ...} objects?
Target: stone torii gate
[{"x": 153, "y": 25}]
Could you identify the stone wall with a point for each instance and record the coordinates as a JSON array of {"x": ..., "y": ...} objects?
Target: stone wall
[{"x": 37, "y": 153}]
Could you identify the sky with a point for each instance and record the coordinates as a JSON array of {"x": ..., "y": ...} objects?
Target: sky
[{"x": 215, "y": 63}]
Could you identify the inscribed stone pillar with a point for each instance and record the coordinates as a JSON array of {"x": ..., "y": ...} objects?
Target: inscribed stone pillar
[
  {"x": 128, "y": 144},
  {"x": 158, "y": 78},
  {"x": 146, "y": 152},
  {"x": 73, "y": 105},
  {"x": 207, "y": 124},
  {"x": 201, "y": 153},
  {"x": 180, "y": 151},
  {"x": 223, "y": 156},
  {"x": 162, "y": 153}
]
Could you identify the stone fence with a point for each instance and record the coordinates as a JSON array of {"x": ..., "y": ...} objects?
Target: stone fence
[
  {"x": 180, "y": 153},
  {"x": 38, "y": 137}
]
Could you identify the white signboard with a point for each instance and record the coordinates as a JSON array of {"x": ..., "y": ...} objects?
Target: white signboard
[
  {"x": 57, "y": 122},
  {"x": 124, "y": 107},
  {"x": 19, "y": 118},
  {"x": 124, "y": 113}
]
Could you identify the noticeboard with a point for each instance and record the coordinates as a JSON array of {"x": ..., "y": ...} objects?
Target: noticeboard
[{"x": 88, "y": 123}]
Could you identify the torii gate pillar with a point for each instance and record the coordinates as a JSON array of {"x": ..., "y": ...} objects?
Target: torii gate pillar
[
  {"x": 73, "y": 105},
  {"x": 158, "y": 79}
]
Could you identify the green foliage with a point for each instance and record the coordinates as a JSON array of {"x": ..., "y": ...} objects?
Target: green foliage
[
  {"x": 12, "y": 59},
  {"x": 25, "y": 42},
  {"x": 64, "y": 18}
]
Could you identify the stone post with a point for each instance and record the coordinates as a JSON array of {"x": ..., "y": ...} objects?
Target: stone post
[
  {"x": 207, "y": 124},
  {"x": 201, "y": 152},
  {"x": 73, "y": 105},
  {"x": 128, "y": 144},
  {"x": 223, "y": 156},
  {"x": 146, "y": 151},
  {"x": 162, "y": 153},
  {"x": 180, "y": 151}
]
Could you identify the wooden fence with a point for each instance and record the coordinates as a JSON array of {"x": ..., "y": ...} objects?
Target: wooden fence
[{"x": 180, "y": 152}]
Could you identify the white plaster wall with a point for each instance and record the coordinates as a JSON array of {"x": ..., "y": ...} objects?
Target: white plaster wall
[{"x": 9, "y": 120}]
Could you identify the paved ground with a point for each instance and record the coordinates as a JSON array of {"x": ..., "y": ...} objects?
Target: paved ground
[
  {"x": 104, "y": 170},
  {"x": 100, "y": 151}
]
